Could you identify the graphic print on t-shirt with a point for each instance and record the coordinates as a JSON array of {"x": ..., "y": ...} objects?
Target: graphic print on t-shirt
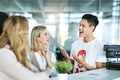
[{"x": 80, "y": 67}]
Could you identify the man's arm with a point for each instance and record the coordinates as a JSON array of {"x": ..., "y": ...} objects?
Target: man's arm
[
  {"x": 67, "y": 58},
  {"x": 65, "y": 54},
  {"x": 100, "y": 65}
]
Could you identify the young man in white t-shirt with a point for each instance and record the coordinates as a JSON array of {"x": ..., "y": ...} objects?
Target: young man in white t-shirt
[{"x": 87, "y": 52}]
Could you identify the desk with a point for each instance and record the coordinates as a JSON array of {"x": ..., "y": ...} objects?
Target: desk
[{"x": 98, "y": 74}]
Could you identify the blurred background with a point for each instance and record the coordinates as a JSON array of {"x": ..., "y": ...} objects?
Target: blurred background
[{"x": 60, "y": 15}]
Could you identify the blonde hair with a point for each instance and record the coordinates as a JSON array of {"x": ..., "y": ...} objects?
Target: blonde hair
[
  {"x": 36, "y": 32},
  {"x": 15, "y": 34}
]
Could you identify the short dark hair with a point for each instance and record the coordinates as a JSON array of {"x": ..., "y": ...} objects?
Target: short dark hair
[
  {"x": 92, "y": 20},
  {"x": 3, "y": 17}
]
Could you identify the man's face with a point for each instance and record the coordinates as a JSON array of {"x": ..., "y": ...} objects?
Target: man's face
[{"x": 84, "y": 29}]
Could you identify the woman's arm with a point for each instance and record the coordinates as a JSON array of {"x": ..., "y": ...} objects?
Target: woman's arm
[{"x": 10, "y": 65}]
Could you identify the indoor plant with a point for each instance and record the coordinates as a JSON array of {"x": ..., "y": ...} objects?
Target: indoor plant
[
  {"x": 63, "y": 69},
  {"x": 63, "y": 66}
]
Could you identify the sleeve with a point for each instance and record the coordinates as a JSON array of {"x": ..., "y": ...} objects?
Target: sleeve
[
  {"x": 31, "y": 64},
  {"x": 33, "y": 68},
  {"x": 101, "y": 57},
  {"x": 53, "y": 71},
  {"x": 13, "y": 68},
  {"x": 3, "y": 76}
]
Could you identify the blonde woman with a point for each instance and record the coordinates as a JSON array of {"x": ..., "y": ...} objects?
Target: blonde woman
[
  {"x": 40, "y": 56},
  {"x": 13, "y": 49}
]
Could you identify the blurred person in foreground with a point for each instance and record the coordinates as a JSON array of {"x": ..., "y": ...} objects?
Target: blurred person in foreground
[{"x": 14, "y": 49}]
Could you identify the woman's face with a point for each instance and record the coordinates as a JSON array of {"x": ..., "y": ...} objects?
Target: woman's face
[{"x": 44, "y": 38}]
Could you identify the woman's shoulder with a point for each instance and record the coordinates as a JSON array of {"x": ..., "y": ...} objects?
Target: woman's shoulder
[
  {"x": 4, "y": 76},
  {"x": 6, "y": 51},
  {"x": 6, "y": 56},
  {"x": 31, "y": 53}
]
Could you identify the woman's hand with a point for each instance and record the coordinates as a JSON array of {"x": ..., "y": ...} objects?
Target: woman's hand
[{"x": 46, "y": 53}]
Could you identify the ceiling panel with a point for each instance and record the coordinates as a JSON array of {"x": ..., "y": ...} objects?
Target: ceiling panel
[{"x": 40, "y": 9}]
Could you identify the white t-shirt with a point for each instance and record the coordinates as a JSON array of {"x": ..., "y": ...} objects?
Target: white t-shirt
[{"x": 93, "y": 50}]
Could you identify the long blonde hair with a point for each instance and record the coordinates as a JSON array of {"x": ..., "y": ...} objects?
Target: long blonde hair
[
  {"x": 15, "y": 34},
  {"x": 36, "y": 31}
]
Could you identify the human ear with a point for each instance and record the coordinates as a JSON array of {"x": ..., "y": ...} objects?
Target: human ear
[
  {"x": 37, "y": 38},
  {"x": 92, "y": 28}
]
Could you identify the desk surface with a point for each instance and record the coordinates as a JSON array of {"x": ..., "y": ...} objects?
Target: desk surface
[{"x": 98, "y": 74}]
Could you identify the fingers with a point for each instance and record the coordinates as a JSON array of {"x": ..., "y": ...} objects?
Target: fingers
[
  {"x": 64, "y": 53},
  {"x": 83, "y": 55},
  {"x": 62, "y": 50},
  {"x": 45, "y": 50},
  {"x": 74, "y": 56},
  {"x": 46, "y": 47}
]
